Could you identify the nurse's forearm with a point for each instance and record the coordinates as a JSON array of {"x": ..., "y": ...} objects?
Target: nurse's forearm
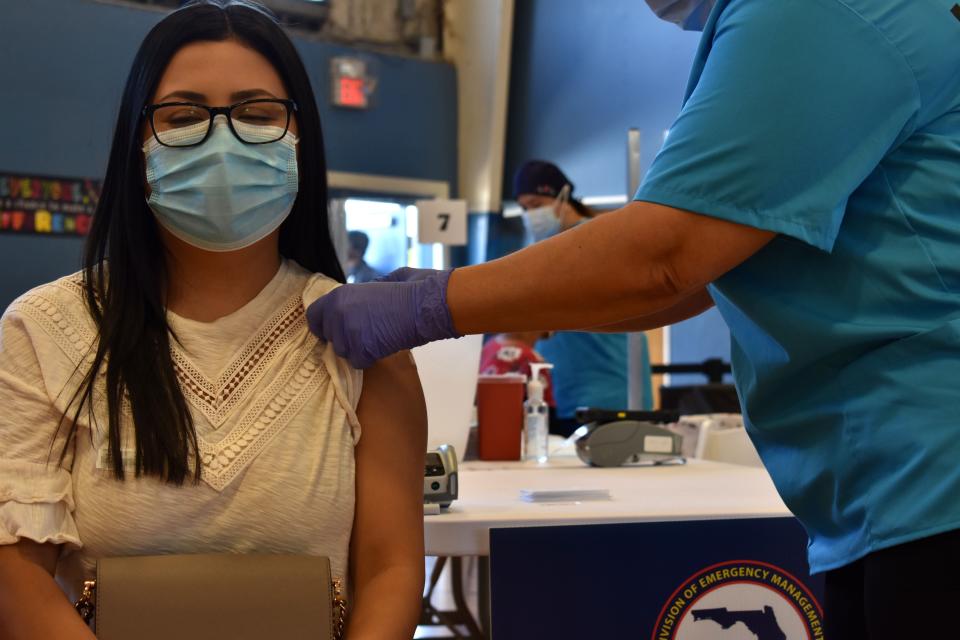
[
  {"x": 637, "y": 261},
  {"x": 692, "y": 305}
]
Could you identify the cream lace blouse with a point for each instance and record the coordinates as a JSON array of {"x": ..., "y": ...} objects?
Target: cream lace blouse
[{"x": 274, "y": 411}]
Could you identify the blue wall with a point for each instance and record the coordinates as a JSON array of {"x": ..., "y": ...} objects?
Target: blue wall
[
  {"x": 64, "y": 63},
  {"x": 583, "y": 73}
]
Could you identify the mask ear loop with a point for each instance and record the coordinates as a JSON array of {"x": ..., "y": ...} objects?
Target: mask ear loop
[{"x": 562, "y": 197}]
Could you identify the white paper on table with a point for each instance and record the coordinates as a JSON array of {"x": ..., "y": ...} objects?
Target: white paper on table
[
  {"x": 563, "y": 495},
  {"x": 448, "y": 372}
]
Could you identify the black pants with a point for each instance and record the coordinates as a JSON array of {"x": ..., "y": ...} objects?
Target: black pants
[{"x": 908, "y": 591}]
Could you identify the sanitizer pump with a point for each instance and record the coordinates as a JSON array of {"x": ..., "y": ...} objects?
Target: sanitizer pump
[{"x": 536, "y": 424}]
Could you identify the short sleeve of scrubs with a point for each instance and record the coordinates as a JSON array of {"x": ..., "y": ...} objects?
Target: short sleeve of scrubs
[{"x": 792, "y": 104}]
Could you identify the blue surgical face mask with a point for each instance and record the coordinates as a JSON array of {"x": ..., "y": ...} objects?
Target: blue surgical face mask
[
  {"x": 691, "y": 15},
  {"x": 222, "y": 195},
  {"x": 544, "y": 222}
]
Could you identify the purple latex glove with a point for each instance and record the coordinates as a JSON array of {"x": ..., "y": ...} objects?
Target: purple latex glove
[
  {"x": 369, "y": 321},
  {"x": 409, "y": 274}
]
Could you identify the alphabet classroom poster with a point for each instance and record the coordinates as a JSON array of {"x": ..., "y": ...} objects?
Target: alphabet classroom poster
[{"x": 43, "y": 205}]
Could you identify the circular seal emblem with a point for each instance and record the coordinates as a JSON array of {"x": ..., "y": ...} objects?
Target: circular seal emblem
[{"x": 741, "y": 600}]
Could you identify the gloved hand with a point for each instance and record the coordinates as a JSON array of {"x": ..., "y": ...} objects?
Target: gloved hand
[
  {"x": 407, "y": 274},
  {"x": 369, "y": 321}
]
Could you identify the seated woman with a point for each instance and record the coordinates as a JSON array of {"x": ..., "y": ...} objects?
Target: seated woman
[{"x": 169, "y": 398}]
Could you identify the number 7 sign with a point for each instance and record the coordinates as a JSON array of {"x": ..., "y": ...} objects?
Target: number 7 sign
[{"x": 442, "y": 221}]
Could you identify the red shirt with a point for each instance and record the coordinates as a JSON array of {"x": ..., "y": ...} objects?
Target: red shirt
[{"x": 502, "y": 355}]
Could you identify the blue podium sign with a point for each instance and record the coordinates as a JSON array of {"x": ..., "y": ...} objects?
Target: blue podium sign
[{"x": 744, "y": 579}]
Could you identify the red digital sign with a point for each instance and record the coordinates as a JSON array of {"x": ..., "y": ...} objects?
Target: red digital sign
[{"x": 351, "y": 93}]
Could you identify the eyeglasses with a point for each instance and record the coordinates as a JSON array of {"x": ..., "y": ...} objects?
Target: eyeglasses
[{"x": 188, "y": 124}]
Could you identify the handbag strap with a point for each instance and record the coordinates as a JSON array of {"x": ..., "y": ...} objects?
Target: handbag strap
[
  {"x": 86, "y": 606},
  {"x": 339, "y": 609}
]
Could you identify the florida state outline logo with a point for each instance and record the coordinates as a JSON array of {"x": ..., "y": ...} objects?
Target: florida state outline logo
[{"x": 741, "y": 600}]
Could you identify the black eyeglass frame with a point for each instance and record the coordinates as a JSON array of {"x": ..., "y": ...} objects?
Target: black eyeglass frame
[{"x": 150, "y": 109}]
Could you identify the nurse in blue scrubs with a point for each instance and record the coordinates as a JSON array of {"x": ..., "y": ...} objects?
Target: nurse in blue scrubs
[
  {"x": 590, "y": 369},
  {"x": 810, "y": 188}
]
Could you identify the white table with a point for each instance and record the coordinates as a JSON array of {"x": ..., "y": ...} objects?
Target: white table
[{"x": 490, "y": 498}]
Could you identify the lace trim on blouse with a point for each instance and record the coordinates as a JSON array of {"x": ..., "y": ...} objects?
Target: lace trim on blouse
[{"x": 302, "y": 375}]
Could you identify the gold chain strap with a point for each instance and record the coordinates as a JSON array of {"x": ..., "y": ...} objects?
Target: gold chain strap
[
  {"x": 339, "y": 609},
  {"x": 86, "y": 606}
]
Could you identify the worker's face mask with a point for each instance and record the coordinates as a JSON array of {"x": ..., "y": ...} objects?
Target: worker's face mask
[
  {"x": 690, "y": 15},
  {"x": 222, "y": 195},
  {"x": 544, "y": 222}
]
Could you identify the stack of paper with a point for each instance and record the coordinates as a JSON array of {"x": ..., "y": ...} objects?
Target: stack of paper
[{"x": 563, "y": 495}]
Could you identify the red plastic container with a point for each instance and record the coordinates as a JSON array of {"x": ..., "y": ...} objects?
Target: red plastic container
[{"x": 500, "y": 416}]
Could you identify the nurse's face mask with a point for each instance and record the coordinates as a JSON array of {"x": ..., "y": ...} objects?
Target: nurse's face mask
[
  {"x": 543, "y": 222},
  {"x": 222, "y": 178},
  {"x": 690, "y": 15}
]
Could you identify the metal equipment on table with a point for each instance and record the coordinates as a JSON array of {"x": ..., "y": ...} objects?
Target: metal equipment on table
[{"x": 615, "y": 438}]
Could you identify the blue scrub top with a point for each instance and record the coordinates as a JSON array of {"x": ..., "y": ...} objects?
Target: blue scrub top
[
  {"x": 591, "y": 370},
  {"x": 836, "y": 124}
]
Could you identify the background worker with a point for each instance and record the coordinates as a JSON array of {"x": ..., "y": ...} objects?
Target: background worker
[
  {"x": 357, "y": 268},
  {"x": 590, "y": 369}
]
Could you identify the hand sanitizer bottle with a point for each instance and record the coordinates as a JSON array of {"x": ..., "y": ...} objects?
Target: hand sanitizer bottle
[{"x": 536, "y": 426}]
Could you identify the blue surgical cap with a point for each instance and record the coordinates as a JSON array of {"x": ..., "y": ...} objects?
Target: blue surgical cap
[{"x": 539, "y": 178}]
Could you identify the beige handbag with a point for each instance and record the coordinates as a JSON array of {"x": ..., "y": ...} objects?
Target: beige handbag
[{"x": 234, "y": 596}]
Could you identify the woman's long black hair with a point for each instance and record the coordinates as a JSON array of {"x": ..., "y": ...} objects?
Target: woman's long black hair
[{"x": 124, "y": 270}]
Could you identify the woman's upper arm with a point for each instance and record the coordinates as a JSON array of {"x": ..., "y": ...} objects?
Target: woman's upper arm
[
  {"x": 43, "y": 555},
  {"x": 389, "y": 459},
  {"x": 36, "y": 492}
]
